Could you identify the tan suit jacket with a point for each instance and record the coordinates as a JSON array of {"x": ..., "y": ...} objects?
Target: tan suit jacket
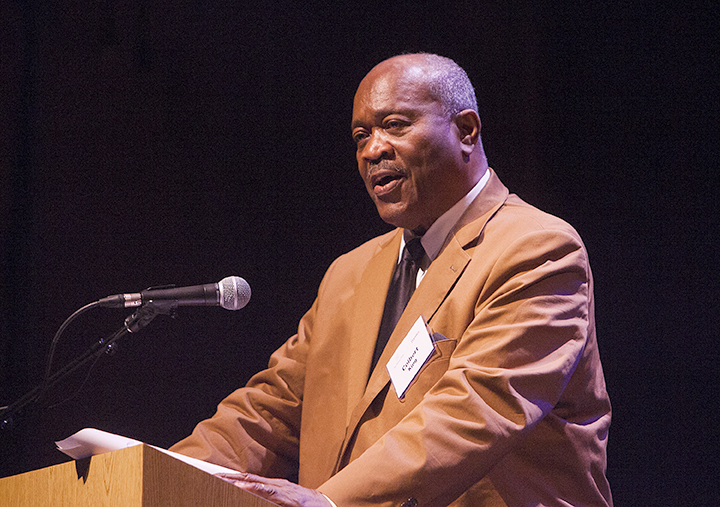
[{"x": 510, "y": 410}]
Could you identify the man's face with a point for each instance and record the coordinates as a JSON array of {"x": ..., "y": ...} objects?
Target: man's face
[{"x": 408, "y": 148}]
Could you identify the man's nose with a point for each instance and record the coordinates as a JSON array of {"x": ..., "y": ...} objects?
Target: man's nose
[{"x": 377, "y": 147}]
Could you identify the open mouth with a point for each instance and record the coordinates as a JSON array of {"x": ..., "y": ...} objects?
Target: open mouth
[
  {"x": 386, "y": 183},
  {"x": 386, "y": 179}
]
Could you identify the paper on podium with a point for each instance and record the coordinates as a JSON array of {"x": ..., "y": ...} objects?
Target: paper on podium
[{"x": 90, "y": 441}]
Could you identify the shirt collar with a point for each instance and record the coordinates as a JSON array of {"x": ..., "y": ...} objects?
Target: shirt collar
[{"x": 434, "y": 238}]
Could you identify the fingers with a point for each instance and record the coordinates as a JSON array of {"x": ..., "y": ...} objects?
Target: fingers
[
  {"x": 240, "y": 476},
  {"x": 261, "y": 486},
  {"x": 252, "y": 479},
  {"x": 279, "y": 491},
  {"x": 247, "y": 481}
]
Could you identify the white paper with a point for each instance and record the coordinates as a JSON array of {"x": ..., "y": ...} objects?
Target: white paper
[
  {"x": 90, "y": 442},
  {"x": 410, "y": 356}
]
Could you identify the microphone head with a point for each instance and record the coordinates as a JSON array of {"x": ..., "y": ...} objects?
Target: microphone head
[{"x": 234, "y": 292}]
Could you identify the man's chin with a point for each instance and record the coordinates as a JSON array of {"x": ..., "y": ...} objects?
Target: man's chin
[{"x": 395, "y": 214}]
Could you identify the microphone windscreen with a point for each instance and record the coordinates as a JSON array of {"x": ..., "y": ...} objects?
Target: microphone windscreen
[{"x": 234, "y": 292}]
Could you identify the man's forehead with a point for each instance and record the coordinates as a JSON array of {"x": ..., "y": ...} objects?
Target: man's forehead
[
  {"x": 393, "y": 76},
  {"x": 391, "y": 89},
  {"x": 378, "y": 90}
]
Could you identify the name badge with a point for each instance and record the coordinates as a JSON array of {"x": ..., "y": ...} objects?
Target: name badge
[{"x": 410, "y": 356}]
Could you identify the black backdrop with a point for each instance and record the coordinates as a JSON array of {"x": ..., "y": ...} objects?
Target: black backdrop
[{"x": 146, "y": 143}]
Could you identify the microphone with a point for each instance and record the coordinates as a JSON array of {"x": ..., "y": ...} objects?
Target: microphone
[{"x": 232, "y": 293}]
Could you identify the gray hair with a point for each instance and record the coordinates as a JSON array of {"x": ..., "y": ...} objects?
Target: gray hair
[{"x": 449, "y": 83}]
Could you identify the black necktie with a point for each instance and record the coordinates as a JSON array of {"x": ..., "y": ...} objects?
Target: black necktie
[{"x": 401, "y": 288}]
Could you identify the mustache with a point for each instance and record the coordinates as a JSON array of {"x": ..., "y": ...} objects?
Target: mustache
[{"x": 385, "y": 165}]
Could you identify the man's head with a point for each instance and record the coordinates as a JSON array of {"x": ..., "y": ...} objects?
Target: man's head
[{"x": 417, "y": 132}]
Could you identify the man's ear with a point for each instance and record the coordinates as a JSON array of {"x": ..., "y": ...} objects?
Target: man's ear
[{"x": 468, "y": 124}]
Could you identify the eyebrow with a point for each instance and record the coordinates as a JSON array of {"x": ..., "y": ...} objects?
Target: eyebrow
[{"x": 383, "y": 113}]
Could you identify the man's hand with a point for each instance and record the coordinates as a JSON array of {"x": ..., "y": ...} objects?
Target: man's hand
[{"x": 279, "y": 491}]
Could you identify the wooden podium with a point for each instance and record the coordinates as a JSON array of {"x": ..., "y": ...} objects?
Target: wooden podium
[{"x": 138, "y": 476}]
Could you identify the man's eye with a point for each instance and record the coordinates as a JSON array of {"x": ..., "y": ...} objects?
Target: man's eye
[
  {"x": 359, "y": 136},
  {"x": 394, "y": 124}
]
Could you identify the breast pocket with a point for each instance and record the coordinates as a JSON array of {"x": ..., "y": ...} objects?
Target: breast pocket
[{"x": 431, "y": 371}]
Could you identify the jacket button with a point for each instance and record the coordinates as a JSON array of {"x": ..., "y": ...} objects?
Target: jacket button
[{"x": 410, "y": 502}]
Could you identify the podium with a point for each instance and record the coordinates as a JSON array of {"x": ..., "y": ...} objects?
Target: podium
[{"x": 138, "y": 476}]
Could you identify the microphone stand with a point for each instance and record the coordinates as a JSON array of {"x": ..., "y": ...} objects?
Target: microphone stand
[{"x": 133, "y": 324}]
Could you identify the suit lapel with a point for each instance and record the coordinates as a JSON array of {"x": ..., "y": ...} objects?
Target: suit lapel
[
  {"x": 432, "y": 291},
  {"x": 369, "y": 308},
  {"x": 437, "y": 282},
  {"x": 441, "y": 276}
]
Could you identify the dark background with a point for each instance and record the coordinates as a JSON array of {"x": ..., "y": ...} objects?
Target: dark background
[{"x": 145, "y": 143}]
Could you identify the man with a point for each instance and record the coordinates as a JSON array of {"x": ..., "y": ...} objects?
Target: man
[{"x": 509, "y": 407}]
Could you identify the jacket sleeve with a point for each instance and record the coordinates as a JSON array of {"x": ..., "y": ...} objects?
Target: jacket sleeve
[
  {"x": 525, "y": 337},
  {"x": 256, "y": 428}
]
